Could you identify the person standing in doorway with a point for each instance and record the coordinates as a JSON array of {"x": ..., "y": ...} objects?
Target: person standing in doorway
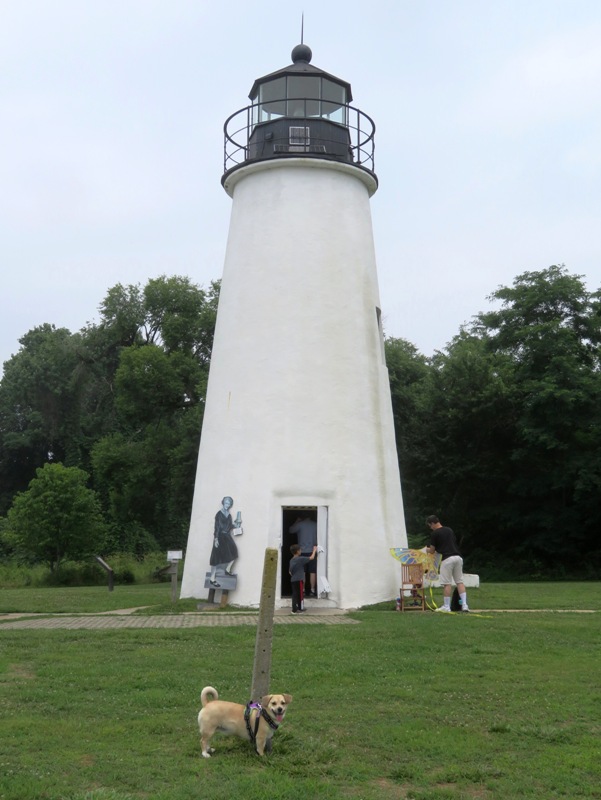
[
  {"x": 297, "y": 576},
  {"x": 442, "y": 540},
  {"x": 305, "y": 528}
]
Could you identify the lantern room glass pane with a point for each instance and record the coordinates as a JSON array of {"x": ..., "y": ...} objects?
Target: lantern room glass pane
[
  {"x": 334, "y": 101},
  {"x": 334, "y": 112},
  {"x": 333, "y": 92},
  {"x": 303, "y": 96},
  {"x": 313, "y": 108},
  {"x": 303, "y": 86},
  {"x": 296, "y": 107},
  {"x": 272, "y": 100}
]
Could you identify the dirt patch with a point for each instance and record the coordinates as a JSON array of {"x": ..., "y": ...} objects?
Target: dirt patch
[{"x": 20, "y": 672}]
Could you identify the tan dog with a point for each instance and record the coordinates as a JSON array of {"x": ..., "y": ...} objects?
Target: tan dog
[{"x": 251, "y": 723}]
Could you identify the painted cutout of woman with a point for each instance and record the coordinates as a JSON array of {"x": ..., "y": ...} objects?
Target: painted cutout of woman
[{"x": 224, "y": 550}]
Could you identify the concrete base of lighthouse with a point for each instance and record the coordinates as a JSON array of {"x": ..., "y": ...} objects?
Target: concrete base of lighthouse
[{"x": 298, "y": 414}]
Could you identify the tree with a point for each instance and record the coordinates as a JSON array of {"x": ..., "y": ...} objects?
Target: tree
[
  {"x": 144, "y": 469},
  {"x": 151, "y": 385},
  {"x": 146, "y": 479},
  {"x": 470, "y": 433},
  {"x": 549, "y": 328},
  {"x": 409, "y": 375},
  {"x": 57, "y": 517},
  {"x": 181, "y": 316},
  {"x": 500, "y": 432},
  {"x": 39, "y": 407},
  {"x": 122, "y": 312},
  {"x": 138, "y": 376}
]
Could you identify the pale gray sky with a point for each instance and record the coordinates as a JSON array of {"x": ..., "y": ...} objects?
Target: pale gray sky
[{"x": 488, "y": 144}]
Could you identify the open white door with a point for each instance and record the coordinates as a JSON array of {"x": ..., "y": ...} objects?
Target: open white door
[{"x": 323, "y": 587}]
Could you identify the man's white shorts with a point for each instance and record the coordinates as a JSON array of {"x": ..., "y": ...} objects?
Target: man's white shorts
[{"x": 451, "y": 569}]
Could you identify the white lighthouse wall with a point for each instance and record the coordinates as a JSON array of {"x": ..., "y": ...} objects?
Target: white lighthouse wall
[{"x": 298, "y": 409}]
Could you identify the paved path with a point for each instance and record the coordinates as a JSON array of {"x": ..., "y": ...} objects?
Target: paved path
[{"x": 123, "y": 619}]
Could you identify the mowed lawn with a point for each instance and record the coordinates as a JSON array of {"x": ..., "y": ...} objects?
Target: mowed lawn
[{"x": 420, "y": 706}]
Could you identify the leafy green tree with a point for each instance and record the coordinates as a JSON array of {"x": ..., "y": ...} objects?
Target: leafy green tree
[
  {"x": 500, "y": 432},
  {"x": 181, "y": 316},
  {"x": 123, "y": 314},
  {"x": 151, "y": 385},
  {"x": 549, "y": 327},
  {"x": 39, "y": 407},
  {"x": 124, "y": 480},
  {"x": 471, "y": 418},
  {"x": 137, "y": 379},
  {"x": 57, "y": 517},
  {"x": 410, "y": 376},
  {"x": 146, "y": 480},
  {"x": 144, "y": 469}
]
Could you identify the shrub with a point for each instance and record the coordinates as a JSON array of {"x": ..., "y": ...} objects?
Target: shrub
[
  {"x": 127, "y": 569},
  {"x": 125, "y": 576}
]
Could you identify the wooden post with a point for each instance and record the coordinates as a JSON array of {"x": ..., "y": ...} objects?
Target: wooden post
[
  {"x": 264, "y": 640},
  {"x": 109, "y": 571},
  {"x": 173, "y": 571}
]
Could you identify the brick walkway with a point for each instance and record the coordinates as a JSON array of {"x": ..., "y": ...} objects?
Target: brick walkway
[{"x": 123, "y": 619}]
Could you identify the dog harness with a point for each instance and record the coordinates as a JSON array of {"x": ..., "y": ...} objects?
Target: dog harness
[{"x": 250, "y": 707}]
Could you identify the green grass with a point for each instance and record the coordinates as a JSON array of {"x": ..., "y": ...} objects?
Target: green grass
[
  {"x": 564, "y": 595},
  {"x": 401, "y": 706},
  {"x": 155, "y": 598},
  {"x": 84, "y": 599}
]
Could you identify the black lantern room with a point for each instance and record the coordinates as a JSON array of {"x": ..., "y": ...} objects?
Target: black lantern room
[{"x": 299, "y": 111}]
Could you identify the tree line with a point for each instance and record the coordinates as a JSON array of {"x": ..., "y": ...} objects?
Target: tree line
[
  {"x": 122, "y": 401},
  {"x": 499, "y": 433}
]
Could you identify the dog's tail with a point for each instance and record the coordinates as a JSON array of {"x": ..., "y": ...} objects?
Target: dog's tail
[{"x": 208, "y": 694}]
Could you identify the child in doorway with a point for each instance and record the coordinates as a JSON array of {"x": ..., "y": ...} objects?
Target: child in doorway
[{"x": 297, "y": 576}]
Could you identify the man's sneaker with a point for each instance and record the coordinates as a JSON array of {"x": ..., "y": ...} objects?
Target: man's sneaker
[
  {"x": 443, "y": 608},
  {"x": 464, "y": 608}
]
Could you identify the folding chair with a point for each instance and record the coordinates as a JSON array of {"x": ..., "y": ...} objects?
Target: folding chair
[{"x": 412, "y": 582}]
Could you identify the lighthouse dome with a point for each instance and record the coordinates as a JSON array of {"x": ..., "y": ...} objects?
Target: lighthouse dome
[{"x": 301, "y": 52}]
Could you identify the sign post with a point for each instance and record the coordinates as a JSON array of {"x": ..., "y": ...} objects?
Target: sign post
[
  {"x": 173, "y": 556},
  {"x": 108, "y": 570}
]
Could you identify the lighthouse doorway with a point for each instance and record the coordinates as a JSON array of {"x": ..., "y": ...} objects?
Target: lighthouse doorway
[{"x": 291, "y": 516}]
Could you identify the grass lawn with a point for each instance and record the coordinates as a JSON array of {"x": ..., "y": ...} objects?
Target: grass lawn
[
  {"x": 84, "y": 599},
  {"x": 156, "y": 598},
  {"x": 413, "y": 706}
]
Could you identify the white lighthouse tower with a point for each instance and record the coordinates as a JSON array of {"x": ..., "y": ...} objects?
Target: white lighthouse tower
[{"x": 298, "y": 419}]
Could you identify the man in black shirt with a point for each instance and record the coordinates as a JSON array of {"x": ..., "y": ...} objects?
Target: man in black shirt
[{"x": 442, "y": 540}]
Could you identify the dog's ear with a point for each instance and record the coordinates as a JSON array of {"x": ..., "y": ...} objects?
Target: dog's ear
[
  {"x": 265, "y": 700},
  {"x": 287, "y": 698}
]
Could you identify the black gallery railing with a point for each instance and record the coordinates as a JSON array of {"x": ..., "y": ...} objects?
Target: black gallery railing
[{"x": 254, "y": 134}]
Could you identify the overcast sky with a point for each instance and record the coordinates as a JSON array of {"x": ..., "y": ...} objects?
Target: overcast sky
[{"x": 488, "y": 144}]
